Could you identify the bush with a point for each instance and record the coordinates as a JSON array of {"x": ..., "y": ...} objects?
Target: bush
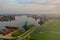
[
  {"x": 17, "y": 33},
  {"x": 5, "y": 39},
  {"x": 26, "y": 37},
  {"x": 26, "y": 26},
  {"x": 14, "y": 39},
  {"x": 41, "y": 22}
]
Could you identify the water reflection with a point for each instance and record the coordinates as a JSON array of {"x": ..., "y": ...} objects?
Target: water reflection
[{"x": 19, "y": 22}]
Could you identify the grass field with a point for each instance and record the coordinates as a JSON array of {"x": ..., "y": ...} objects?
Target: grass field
[{"x": 49, "y": 32}]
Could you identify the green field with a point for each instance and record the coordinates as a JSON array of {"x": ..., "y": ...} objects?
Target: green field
[{"x": 49, "y": 32}]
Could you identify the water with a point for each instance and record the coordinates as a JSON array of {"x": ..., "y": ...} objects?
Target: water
[{"x": 19, "y": 22}]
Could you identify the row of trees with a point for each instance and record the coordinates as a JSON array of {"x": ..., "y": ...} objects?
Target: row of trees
[
  {"x": 42, "y": 20},
  {"x": 28, "y": 26}
]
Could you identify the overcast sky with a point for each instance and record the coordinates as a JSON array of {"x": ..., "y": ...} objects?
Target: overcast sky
[{"x": 30, "y": 6}]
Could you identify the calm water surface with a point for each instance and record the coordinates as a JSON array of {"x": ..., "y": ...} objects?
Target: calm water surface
[{"x": 19, "y": 22}]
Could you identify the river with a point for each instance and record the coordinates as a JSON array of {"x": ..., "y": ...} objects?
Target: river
[{"x": 19, "y": 22}]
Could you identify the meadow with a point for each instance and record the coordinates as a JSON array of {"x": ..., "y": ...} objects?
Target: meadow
[{"x": 50, "y": 31}]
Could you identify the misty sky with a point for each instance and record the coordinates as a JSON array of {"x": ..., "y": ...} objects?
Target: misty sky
[{"x": 30, "y": 6}]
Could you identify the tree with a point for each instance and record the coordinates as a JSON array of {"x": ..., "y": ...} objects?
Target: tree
[
  {"x": 41, "y": 22},
  {"x": 26, "y": 26}
]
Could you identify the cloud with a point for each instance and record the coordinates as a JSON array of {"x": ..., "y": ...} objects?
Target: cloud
[
  {"x": 57, "y": 1},
  {"x": 46, "y": 1},
  {"x": 26, "y": 8},
  {"x": 9, "y": 7}
]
